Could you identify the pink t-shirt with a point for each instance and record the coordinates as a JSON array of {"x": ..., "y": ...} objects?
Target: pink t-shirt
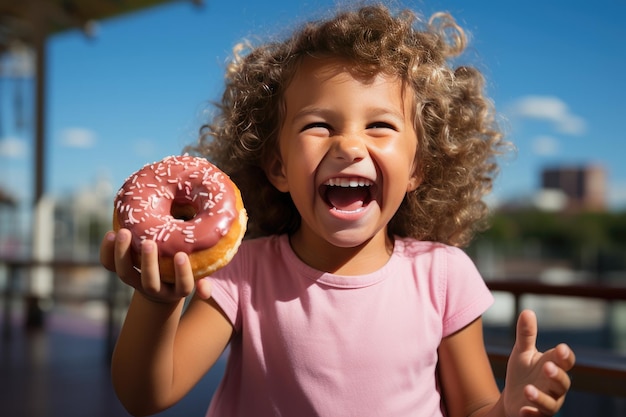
[{"x": 309, "y": 343}]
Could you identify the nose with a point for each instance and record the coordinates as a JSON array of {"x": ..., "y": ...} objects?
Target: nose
[{"x": 349, "y": 148}]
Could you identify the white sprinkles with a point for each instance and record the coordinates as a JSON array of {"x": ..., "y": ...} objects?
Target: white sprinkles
[{"x": 145, "y": 201}]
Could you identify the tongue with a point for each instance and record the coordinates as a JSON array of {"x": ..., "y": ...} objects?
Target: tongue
[{"x": 347, "y": 199}]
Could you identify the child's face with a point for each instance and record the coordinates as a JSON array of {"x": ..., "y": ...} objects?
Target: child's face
[{"x": 347, "y": 150}]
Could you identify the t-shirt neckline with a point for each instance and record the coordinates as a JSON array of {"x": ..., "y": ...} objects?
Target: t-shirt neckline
[{"x": 336, "y": 280}]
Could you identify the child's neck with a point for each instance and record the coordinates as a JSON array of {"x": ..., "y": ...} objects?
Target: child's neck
[{"x": 363, "y": 259}]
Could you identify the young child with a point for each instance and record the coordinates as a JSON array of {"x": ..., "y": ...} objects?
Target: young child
[{"x": 363, "y": 158}]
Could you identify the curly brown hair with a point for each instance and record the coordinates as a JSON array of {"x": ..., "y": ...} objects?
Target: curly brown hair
[{"x": 458, "y": 137}]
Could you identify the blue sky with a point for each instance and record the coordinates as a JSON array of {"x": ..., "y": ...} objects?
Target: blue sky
[{"x": 140, "y": 88}]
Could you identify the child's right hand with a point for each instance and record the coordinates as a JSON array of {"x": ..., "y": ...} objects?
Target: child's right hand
[
  {"x": 116, "y": 256},
  {"x": 536, "y": 382}
]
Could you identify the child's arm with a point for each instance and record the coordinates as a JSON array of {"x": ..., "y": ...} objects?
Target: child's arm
[
  {"x": 536, "y": 383},
  {"x": 466, "y": 377},
  {"x": 160, "y": 356}
]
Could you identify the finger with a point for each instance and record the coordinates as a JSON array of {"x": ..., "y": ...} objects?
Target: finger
[
  {"x": 564, "y": 357},
  {"x": 558, "y": 381},
  {"x": 561, "y": 355},
  {"x": 203, "y": 288},
  {"x": 123, "y": 256},
  {"x": 107, "y": 247},
  {"x": 150, "y": 276},
  {"x": 543, "y": 403},
  {"x": 184, "y": 275},
  {"x": 526, "y": 332}
]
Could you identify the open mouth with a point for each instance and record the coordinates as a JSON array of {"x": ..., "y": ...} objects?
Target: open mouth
[{"x": 347, "y": 194}]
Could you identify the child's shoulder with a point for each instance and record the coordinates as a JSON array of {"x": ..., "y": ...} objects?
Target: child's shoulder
[
  {"x": 411, "y": 247},
  {"x": 265, "y": 246},
  {"x": 271, "y": 242},
  {"x": 430, "y": 253}
]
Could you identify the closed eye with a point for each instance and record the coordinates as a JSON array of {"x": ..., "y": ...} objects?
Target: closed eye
[
  {"x": 317, "y": 125},
  {"x": 382, "y": 125}
]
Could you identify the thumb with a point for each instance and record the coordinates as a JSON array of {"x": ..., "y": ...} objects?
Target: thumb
[
  {"x": 203, "y": 288},
  {"x": 526, "y": 333},
  {"x": 107, "y": 248}
]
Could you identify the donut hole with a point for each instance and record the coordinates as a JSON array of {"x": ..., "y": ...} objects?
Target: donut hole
[{"x": 183, "y": 211}]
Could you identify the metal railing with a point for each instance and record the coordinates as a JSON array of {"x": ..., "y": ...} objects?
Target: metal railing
[
  {"x": 112, "y": 298},
  {"x": 605, "y": 375}
]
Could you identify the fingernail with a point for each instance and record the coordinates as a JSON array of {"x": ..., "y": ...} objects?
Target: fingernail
[
  {"x": 147, "y": 246},
  {"x": 532, "y": 393},
  {"x": 121, "y": 237},
  {"x": 110, "y": 236},
  {"x": 179, "y": 259},
  {"x": 551, "y": 369}
]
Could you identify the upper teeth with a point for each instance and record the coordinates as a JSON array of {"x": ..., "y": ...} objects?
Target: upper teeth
[{"x": 349, "y": 182}]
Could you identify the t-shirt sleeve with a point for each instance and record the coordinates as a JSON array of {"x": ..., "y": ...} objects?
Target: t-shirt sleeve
[{"x": 466, "y": 294}]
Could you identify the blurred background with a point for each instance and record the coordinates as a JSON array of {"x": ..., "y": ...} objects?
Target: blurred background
[{"x": 91, "y": 90}]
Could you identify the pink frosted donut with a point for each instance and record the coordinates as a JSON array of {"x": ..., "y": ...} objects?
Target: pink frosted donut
[{"x": 185, "y": 204}]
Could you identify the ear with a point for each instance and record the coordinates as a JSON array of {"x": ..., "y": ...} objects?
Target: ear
[
  {"x": 275, "y": 172},
  {"x": 413, "y": 183}
]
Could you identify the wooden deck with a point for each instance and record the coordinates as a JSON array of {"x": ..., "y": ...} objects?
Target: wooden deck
[{"x": 62, "y": 370}]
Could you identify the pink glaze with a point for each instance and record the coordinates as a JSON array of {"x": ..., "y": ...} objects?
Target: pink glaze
[{"x": 148, "y": 198}]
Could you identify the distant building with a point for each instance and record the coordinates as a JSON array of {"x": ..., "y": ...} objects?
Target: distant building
[
  {"x": 583, "y": 186},
  {"x": 80, "y": 220},
  {"x": 9, "y": 232}
]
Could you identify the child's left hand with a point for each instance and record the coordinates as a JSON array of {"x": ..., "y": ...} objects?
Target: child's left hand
[{"x": 536, "y": 383}]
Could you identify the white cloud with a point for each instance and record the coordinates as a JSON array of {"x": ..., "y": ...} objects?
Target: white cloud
[
  {"x": 545, "y": 145},
  {"x": 552, "y": 110},
  {"x": 11, "y": 147},
  {"x": 78, "y": 137}
]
